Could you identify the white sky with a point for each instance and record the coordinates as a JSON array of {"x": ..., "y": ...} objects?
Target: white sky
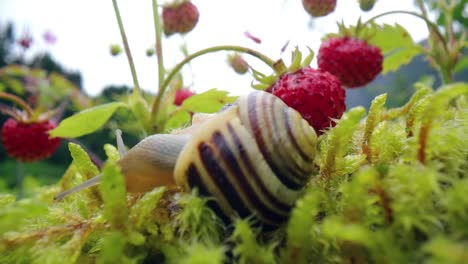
[{"x": 86, "y": 28}]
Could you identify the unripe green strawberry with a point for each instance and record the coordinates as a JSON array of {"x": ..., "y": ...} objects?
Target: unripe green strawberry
[
  {"x": 354, "y": 62},
  {"x": 366, "y": 5},
  {"x": 115, "y": 49},
  {"x": 238, "y": 63},
  {"x": 316, "y": 94},
  {"x": 28, "y": 142},
  {"x": 319, "y": 8},
  {"x": 179, "y": 17}
]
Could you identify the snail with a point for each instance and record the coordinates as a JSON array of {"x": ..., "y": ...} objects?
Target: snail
[{"x": 254, "y": 158}]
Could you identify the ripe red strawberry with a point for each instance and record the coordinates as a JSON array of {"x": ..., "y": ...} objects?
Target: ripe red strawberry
[
  {"x": 316, "y": 94},
  {"x": 181, "y": 95},
  {"x": 179, "y": 17},
  {"x": 354, "y": 62},
  {"x": 318, "y": 8},
  {"x": 28, "y": 142}
]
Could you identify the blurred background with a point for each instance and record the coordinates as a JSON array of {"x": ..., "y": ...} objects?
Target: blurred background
[{"x": 73, "y": 38}]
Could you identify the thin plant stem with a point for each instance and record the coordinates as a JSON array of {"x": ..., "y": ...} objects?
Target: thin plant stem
[
  {"x": 158, "y": 45},
  {"x": 18, "y": 101},
  {"x": 19, "y": 180},
  {"x": 126, "y": 47},
  {"x": 178, "y": 67}
]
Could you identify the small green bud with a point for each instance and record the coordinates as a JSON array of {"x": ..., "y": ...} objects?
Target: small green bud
[
  {"x": 238, "y": 63},
  {"x": 115, "y": 49}
]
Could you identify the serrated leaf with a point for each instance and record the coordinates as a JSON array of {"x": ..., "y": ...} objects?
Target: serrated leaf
[
  {"x": 82, "y": 161},
  {"x": 395, "y": 60},
  {"x": 114, "y": 195},
  {"x": 210, "y": 101},
  {"x": 140, "y": 211},
  {"x": 85, "y": 122},
  {"x": 389, "y": 38},
  {"x": 395, "y": 44}
]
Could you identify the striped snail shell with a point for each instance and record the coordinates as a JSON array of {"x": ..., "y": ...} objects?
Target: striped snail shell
[{"x": 254, "y": 158}]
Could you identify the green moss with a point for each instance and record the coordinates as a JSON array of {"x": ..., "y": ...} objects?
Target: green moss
[{"x": 391, "y": 189}]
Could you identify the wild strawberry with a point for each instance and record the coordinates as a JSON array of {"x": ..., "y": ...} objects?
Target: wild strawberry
[
  {"x": 115, "y": 49},
  {"x": 366, "y": 5},
  {"x": 181, "y": 95},
  {"x": 28, "y": 142},
  {"x": 354, "y": 62},
  {"x": 238, "y": 63},
  {"x": 318, "y": 8},
  {"x": 25, "y": 41},
  {"x": 179, "y": 17},
  {"x": 316, "y": 94}
]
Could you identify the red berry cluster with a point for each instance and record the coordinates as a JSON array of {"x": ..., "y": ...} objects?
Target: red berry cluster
[
  {"x": 181, "y": 95},
  {"x": 354, "y": 62},
  {"x": 318, "y": 8},
  {"x": 28, "y": 142},
  {"x": 179, "y": 18}
]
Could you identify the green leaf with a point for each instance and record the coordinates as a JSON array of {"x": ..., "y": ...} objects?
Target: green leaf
[
  {"x": 177, "y": 120},
  {"x": 389, "y": 38},
  {"x": 140, "y": 109},
  {"x": 396, "y": 44},
  {"x": 461, "y": 65},
  {"x": 82, "y": 161},
  {"x": 210, "y": 101},
  {"x": 114, "y": 195},
  {"x": 394, "y": 60},
  {"x": 86, "y": 122}
]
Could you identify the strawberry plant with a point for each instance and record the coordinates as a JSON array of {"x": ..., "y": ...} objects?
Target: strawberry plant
[{"x": 387, "y": 185}]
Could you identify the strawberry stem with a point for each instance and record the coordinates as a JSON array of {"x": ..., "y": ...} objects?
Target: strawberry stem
[
  {"x": 158, "y": 45},
  {"x": 178, "y": 67},
  {"x": 126, "y": 47},
  {"x": 19, "y": 180},
  {"x": 18, "y": 101}
]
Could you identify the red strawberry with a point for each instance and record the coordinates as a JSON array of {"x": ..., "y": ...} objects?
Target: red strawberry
[
  {"x": 354, "y": 62},
  {"x": 25, "y": 42},
  {"x": 181, "y": 95},
  {"x": 179, "y": 17},
  {"x": 318, "y": 8},
  {"x": 316, "y": 94},
  {"x": 28, "y": 142}
]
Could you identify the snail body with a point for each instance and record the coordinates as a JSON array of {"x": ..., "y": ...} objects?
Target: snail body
[{"x": 253, "y": 158}]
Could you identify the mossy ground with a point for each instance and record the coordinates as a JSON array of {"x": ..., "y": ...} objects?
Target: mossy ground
[{"x": 392, "y": 188}]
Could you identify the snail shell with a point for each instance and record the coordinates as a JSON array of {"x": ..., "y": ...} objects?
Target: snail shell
[{"x": 254, "y": 158}]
